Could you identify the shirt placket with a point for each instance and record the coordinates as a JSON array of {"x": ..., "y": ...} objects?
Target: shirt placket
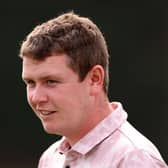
[{"x": 71, "y": 159}]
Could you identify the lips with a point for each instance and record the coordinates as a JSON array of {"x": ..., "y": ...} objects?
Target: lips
[{"x": 46, "y": 113}]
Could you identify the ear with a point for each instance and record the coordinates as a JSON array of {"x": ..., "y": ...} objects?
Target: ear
[{"x": 96, "y": 78}]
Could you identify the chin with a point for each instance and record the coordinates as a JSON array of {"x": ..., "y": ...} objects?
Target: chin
[{"x": 49, "y": 129}]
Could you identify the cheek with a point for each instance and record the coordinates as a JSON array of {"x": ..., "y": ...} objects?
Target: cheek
[
  {"x": 29, "y": 97},
  {"x": 80, "y": 99},
  {"x": 67, "y": 97}
]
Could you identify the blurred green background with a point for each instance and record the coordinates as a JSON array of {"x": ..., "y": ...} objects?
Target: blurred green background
[{"x": 137, "y": 36}]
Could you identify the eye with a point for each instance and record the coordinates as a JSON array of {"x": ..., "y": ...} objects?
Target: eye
[
  {"x": 30, "y": 83},
  {"x": 51, "y": 82}
]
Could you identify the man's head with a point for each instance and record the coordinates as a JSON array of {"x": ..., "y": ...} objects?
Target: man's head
[{"x": 78, "y": 37}]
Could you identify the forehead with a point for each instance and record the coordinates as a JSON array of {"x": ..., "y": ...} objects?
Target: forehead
[
  {"x": 52, "y": 57},
  {"x": 54, "y": 63}
]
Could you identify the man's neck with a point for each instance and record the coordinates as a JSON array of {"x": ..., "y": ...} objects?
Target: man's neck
[{"x": 101, "y": 109}]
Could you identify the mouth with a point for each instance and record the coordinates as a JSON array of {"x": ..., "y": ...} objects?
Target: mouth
[{"x": 46, "y": 113}]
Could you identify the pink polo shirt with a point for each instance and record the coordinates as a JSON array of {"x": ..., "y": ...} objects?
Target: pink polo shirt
[{"x": 113, "y": 143}]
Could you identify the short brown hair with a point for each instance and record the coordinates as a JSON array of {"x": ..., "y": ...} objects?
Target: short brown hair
[{"x": 76, "y": 36}]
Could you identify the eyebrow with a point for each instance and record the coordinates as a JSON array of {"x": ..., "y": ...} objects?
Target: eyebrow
[{"x": 42, "y": 78}]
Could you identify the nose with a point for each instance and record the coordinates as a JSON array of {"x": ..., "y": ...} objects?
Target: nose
[{"x": 37, "y": 96}]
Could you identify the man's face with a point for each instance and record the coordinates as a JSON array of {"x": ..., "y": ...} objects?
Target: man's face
[{"x": 56, "y": 95}]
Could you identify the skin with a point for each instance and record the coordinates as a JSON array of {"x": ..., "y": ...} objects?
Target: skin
[{"x": 65, "y": 105}]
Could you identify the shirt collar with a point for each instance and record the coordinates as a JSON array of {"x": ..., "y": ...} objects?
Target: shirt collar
[{"x": 105, "y": 128}]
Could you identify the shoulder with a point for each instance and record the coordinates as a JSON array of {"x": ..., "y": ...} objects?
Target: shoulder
[
  {"x": 139, "y": 150},
  {"x": 140, "y": 158}
]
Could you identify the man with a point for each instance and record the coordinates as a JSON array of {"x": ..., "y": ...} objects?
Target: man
[{"x": 65, "y": 68}]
